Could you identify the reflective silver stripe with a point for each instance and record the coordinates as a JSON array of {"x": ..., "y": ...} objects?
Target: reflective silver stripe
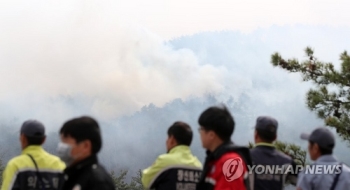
[
  {"x": 210, "y": 180},
  {"x": 24, "y": 169}
]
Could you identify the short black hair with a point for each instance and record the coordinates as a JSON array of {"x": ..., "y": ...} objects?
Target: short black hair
[
  {"x": 324, "y": 151},
  {"x": 35, "y": 140},
  {"x": 219, "y": 120},
  {"x": 182, "y": 133},
  {"x": 266, "y": 136},
  {"x": 84, "y": 128}
]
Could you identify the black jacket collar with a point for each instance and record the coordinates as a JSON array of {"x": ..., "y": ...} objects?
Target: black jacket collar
[
  {"x": 220, "y": 150},
  {"x": 229, "y": 147},
  {"x": 87, "y": 162}
]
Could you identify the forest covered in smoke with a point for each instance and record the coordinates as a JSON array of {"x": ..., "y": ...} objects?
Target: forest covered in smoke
[
  {"x": 136, "y": 84},
  {"x": 248, "y": 86}
]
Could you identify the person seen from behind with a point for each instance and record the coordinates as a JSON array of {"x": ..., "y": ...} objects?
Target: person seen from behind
[
  {"x": 34, "y": 168},
  {"x": 178, "y": 168},
  {"x": 265, "y": 154}
]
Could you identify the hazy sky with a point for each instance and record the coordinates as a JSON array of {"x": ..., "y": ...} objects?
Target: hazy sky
[
  {"x": 113, "y": 55},
  {"x": 175, "y": 18},
  {"x": 109, "y": 58},
  {"x": 170, "y": 19}
]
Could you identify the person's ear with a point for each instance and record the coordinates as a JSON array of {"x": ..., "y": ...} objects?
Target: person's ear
[
  {"x": 309, "y": 147},
  {"x": 275, "y": 137},
  {"x": 173, "y": 140},
  {"x": 256, "y": 136},
  {"x": 314, "y": 148},
  {"x": 24, "y": 141},
  {"x": 87, "y": 145},
  {"x": 317, "y": 148},
  {"x": 44, "y": 139},
  {"x": 211, "y": 134}
]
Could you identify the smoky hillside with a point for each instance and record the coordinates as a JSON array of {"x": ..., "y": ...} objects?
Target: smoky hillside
[{"x": 173, "y": 81}]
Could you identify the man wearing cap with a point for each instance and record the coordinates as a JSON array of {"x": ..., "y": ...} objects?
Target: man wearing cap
[
  {"x": 326, "y": 172},
  {"x": 34, "y": 168},
  {"x": 265, "y": 155}
]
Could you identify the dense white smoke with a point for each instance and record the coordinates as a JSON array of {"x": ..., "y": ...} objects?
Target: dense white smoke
[
  {"x": 61, "y": 59},
  {"x": 70, "y": 50}
]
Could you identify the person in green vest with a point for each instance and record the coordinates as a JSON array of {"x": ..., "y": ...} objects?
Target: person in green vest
[
  {"x": 34, "y": 168},
  {"x": 178, "y": 167}
]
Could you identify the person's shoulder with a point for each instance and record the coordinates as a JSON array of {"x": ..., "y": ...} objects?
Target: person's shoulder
[
  {"x": 55, "y": 160},
  {"x": 346, "y": 168},
  {"x": 99, "y": 173},
  {"x": 53, "y": 157},
  {"x": 284, "y": 156},
  {"x": 229, "y": 156},
  {"x": 98, "y": 176},
  {"x": 345, "y": 174},
  {"x": 197, "y": 162},
  {"x": 17, "y": 160},
  {"x": 173, "y": 160},
  {"x": 98, "y": 169},
  {"x": 254, "y": 151},
  {"x": 17, "y": 163},
  {"x": 167, "y": 158}
]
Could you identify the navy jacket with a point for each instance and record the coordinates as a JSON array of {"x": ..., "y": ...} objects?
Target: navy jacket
[{"x": 266, "y": 155}]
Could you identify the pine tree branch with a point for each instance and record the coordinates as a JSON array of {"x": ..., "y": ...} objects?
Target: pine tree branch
[{"x": 334, "y": 107}]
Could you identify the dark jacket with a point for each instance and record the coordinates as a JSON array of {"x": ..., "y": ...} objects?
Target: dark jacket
[
  {"x": 213, "y": 177},
  {"x": 177, "y": 177},
  {"x": 87, "y": 175},
  {"x": 266, "y": 155}
]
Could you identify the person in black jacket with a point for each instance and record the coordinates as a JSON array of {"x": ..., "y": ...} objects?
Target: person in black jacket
[
  {"x": 80, "y": 142},
  {"x": 275, "y": 163}
]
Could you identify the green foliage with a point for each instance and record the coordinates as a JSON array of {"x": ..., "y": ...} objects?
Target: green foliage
[
  {"x": 121, "y": 184},
  {"x": 332, "y": 106},
  {"x": 119, "y": 180},
  {"x": 2, "y": 168},
  {"x": 136, "y": 183},
  {"x": 293, "y": 150},
  {"x": 250, "y": 145}
]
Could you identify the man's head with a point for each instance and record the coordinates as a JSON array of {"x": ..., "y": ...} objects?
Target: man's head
[
  {"x": 32, "y": 133},
  {"x": 265, "y": 129},
  {"x": 81, "y": 138},
  {"x": 321, "y": 142},
  {"x": 216, "y": 127},
  {"x": 179, "y": 133}
]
